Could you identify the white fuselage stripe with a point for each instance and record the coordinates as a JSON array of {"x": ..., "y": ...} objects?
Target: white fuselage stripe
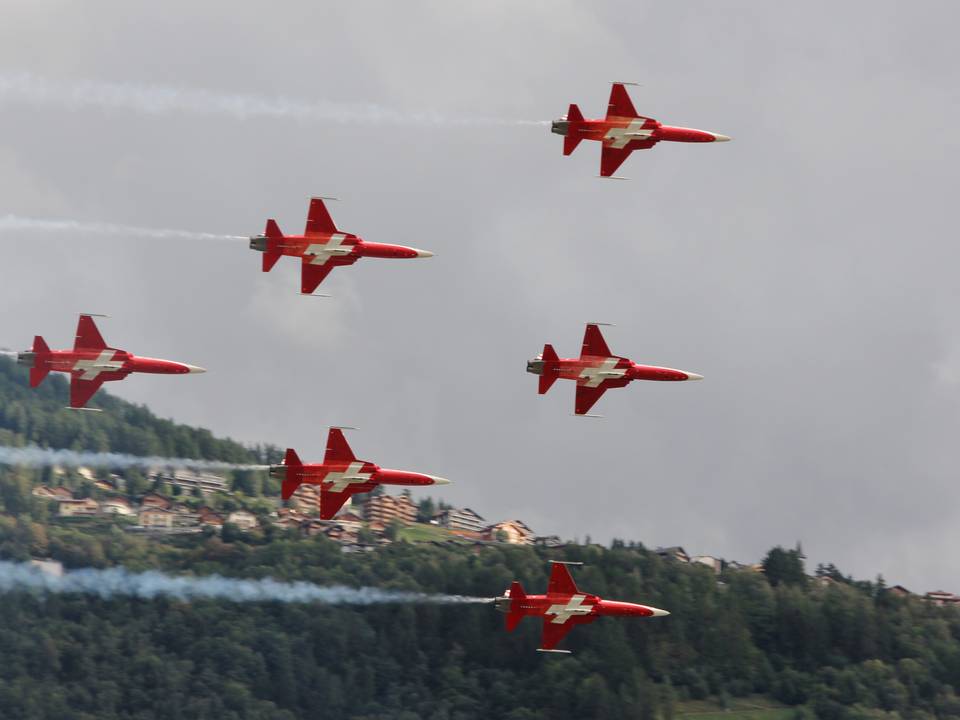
[
  {"x": 322, "y": 252},
  {"x": 607, "y": 370},
  {"x": 340, "y": 481},
  {"x": 620, "y": 137},
  {"x": 90, "y": 369},
  {"x": 574, "y": 606}
]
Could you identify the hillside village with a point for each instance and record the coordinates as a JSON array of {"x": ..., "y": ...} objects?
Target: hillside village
[{"x": 184, "y": 502}]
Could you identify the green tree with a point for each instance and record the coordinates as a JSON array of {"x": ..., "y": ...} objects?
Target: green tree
[{"x": 784, "y": 566}]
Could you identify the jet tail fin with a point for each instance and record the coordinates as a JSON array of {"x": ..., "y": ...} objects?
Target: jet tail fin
[
  {"x": 290, "y": 484},
  {"x": 573, "y": 137},
  {"x": 40, "y": 345},
  {"x": 517, "y": 596},
  {"x": 272, "y": 253},
  {"x": 551, "y": 368},
  {"x": 40, "y": 368},
  {"x": 272, "y": 230}
]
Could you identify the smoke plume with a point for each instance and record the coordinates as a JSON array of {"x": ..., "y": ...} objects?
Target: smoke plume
[
  {"x": 37, "y": 457},
  {"x": 118, "y": 582},
  {"x": 22, "y": 224},
  {"x": 165, "y": 100}
]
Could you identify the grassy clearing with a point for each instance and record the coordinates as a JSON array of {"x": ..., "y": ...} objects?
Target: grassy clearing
[
  {"x": 423, "y": 533},
  {"x": 753, "y": 708}
]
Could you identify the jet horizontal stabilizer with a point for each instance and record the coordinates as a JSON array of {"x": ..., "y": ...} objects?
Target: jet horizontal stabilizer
[
  {"x": 566, "y": 562},
  {"x": 85, "y": 409},
  {"x": 590, "y": 415},
  {"x": 613, "y": 177},
  {"x": 554, "y": 650}
]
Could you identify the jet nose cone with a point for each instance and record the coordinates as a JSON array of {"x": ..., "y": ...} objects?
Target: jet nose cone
[
  {"x": 657, "y": 612},
  {"x": 717, "y": 137},
  {"x": 423, "y": 253},
  {"x": 195, "y": 369},
  {"x": 694, "y": 376},
  {"x": 438, "y": 480}
]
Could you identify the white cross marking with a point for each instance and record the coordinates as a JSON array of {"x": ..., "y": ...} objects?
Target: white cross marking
[
  {"x": 322, "y": 252},
  {"x": 342, "y": 480},
  {"x": 606, "y": 370},
  {"x": 622, "y": 136},
  {"x": 574, "y": 606},
  {"x": 89, "y": 369}
]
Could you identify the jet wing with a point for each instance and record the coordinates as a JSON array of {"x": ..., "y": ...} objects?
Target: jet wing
[
  {"x": 338, "y": 449},
  {"x": 553, "y": 632},
  {"x": 561, "y": 582},
  {"x": 82, "y": 390},
  {"x": 620, "y": 104},
  {"x": 318, "y": 219},
  {"x": 331, "y": 502},
  {"x": 587, "y": 398},
  {"x": 88, "y": 337},
  {"x": 312, "y": 275},
  {"x": 593, "y": 343}
]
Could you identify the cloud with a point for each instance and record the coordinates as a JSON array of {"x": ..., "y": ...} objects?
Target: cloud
[{"x": 807, "y": 269}]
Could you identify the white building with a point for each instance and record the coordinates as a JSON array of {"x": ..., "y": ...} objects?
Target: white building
[
  {"x": 715, "y": 564},
  {"x": 189, "y": 481},
  {"x": 460, "y": 519},
  {"x": 243, "y": 519}
]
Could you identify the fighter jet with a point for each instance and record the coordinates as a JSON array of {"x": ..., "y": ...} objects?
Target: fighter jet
[
  {"x": 92, "y": 363},
  {"x": 341, "y": 475},
  {"x": 563, "y": 607},
  {"x": 596, "y": 370},
  {"x": 322, "y": 247},
  {"x": 622, "y": 131}
]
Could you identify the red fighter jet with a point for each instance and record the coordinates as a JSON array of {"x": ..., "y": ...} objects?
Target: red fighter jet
[
  {"x": 622, "y": 131},
  {"x": 322, "y": 247},
  {"x": 92, "y": 363},
  {"x": 563, "y": 607},
  {"x": 596, "y": 370},
  {"x": 341, "y": 475}
]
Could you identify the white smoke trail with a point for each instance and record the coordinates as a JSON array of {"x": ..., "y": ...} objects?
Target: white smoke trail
[
  {"x": 22, "y": 224},
  {"x": 116, "y": 582},
  {"x": 33, "y": 456},
  {"x": 165, "y": 100}
]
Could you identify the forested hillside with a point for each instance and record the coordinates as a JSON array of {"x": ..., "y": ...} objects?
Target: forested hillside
[
  {"x": 837, "y": 649},
  {"x": 36, "y": 416}
]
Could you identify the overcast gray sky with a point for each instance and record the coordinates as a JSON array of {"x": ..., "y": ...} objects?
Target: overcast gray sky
[{"x": 808, "y": 269}]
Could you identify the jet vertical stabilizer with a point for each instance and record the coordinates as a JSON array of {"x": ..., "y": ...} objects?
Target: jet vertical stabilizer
[
  {"x": 272, "y": 251},
  {"x": 551, "y": 368},
  {"x": 292, "y": 475}
]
